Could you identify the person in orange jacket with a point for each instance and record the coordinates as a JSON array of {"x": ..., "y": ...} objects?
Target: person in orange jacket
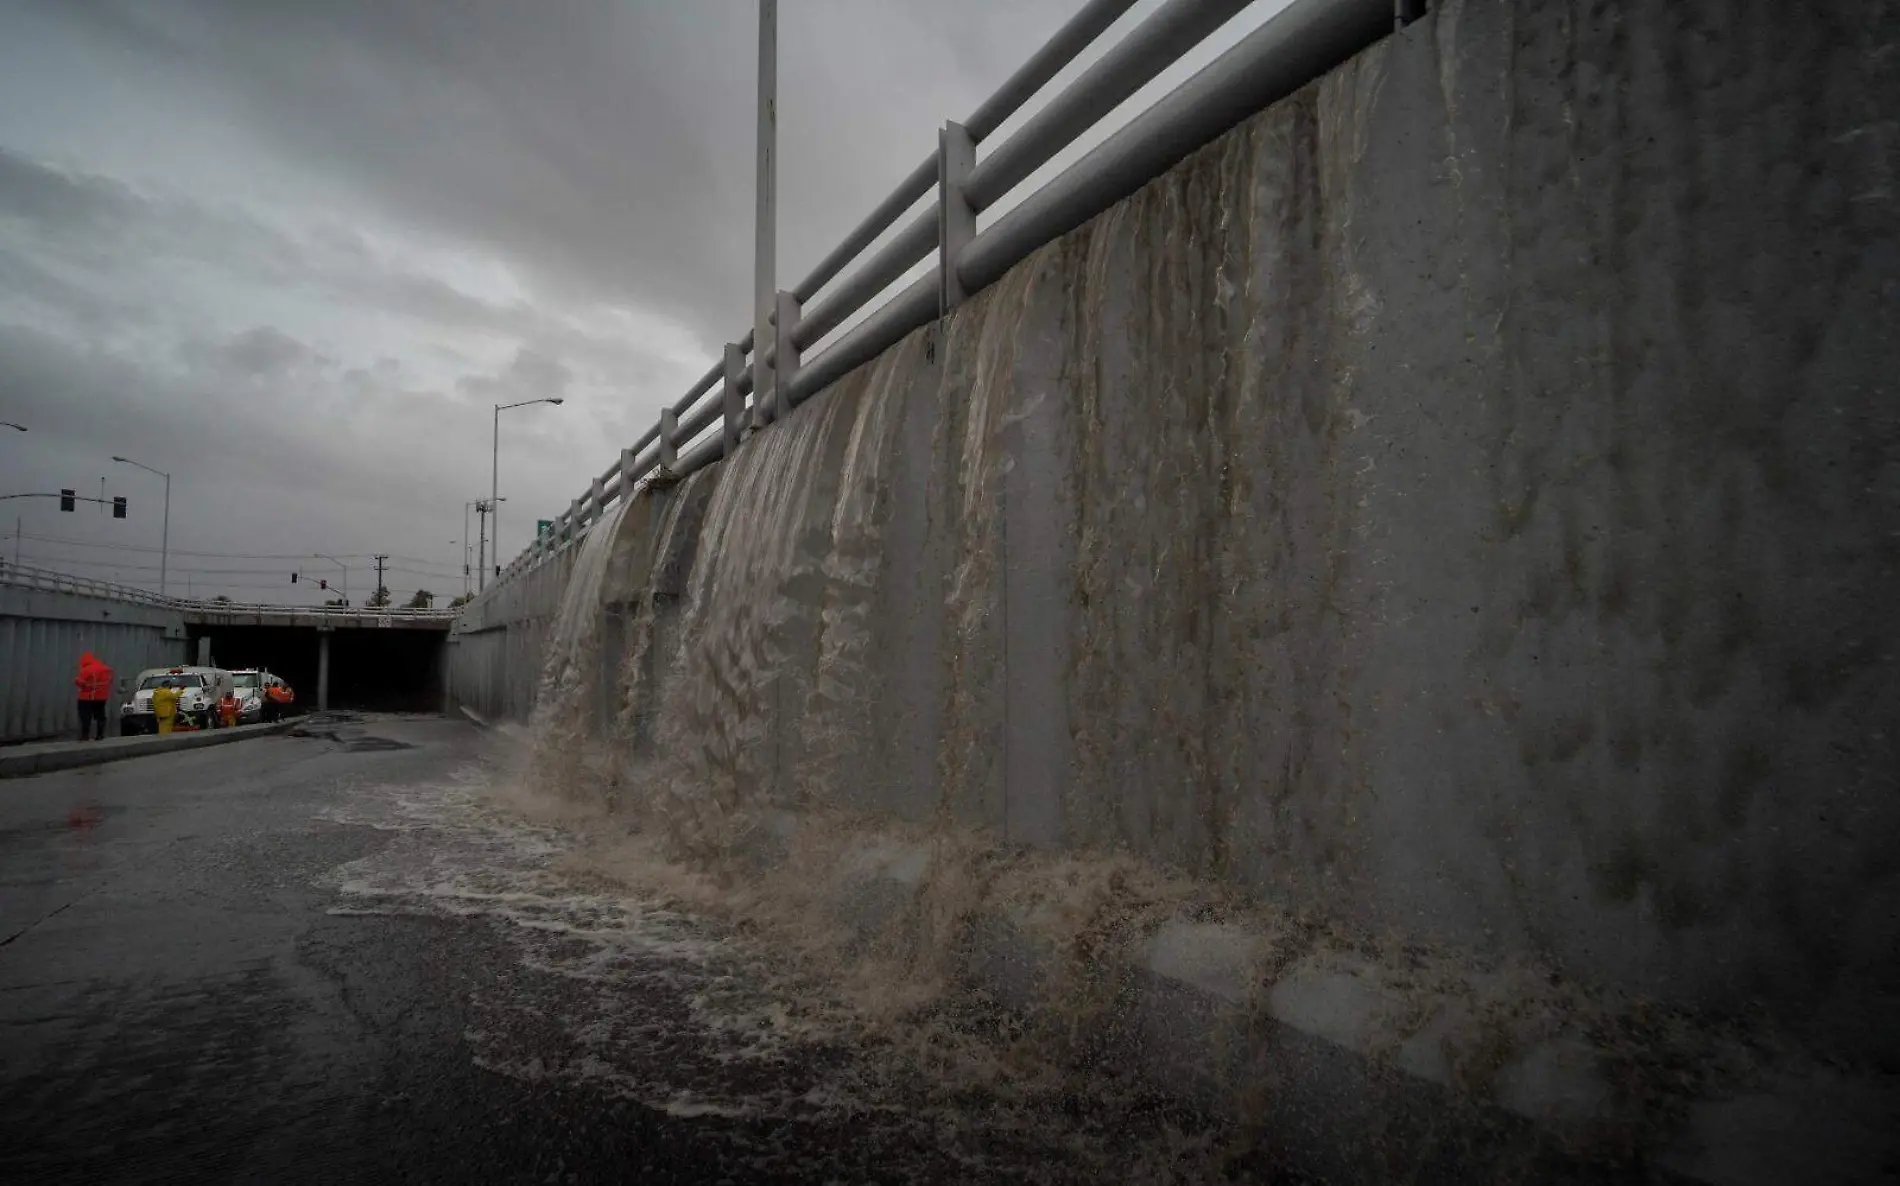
[
  {"x": 228, "y": 710},
  {"x": 277, "y": 701},
  {"x": 94, "y": 682}
]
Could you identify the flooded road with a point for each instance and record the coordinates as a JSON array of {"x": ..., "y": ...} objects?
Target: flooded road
[{"x": 344, "y": 957}]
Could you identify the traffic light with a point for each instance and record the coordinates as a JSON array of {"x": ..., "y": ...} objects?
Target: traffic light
[
  {"x": 65, "y": 499},
  {"x": 118, "y": 507},
  {"x": 324, "y": 585},
  {"x": 293, "y": 578}
]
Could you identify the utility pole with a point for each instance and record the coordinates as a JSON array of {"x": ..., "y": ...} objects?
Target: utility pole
[
  {"x": 382, "y": 590},
  {"x": 765, "y": 227},
  {"x": 483, "y": 509}
]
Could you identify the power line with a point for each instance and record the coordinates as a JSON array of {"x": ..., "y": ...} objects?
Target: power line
[
  {"x": 52, "y": 561},
  {"x": 294, "y": 556}
]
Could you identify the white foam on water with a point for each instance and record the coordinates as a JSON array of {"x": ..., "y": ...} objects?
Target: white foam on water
[{"x": 635, "y": 987}]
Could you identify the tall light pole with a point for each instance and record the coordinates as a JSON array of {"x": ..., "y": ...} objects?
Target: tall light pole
[
  {"x": 165, "y": 539},
  {"x": 494, "y": 476},
  {"x": 346, "y": 573},
  {"x": 765, "y": 224}
]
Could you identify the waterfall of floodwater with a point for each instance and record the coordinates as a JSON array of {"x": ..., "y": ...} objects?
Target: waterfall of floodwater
[{"x": 568, "y": 688}]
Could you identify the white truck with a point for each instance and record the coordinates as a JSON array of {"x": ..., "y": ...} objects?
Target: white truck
[
  {"x": 252, "y": 684},
  {"x": 200, "y": 689}
]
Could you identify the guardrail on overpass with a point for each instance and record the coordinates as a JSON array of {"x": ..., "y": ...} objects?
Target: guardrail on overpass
[
  {"x": 216, "y": 611},
  {"x": 1285, "y": 53}
]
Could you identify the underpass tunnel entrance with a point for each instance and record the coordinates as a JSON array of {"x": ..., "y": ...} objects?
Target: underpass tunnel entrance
[{"x": 372, "y": 670}]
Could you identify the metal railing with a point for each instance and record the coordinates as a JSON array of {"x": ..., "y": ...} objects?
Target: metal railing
[
  {"x": 20, "y": 576},
  {"x": 1294, "y": 47}
]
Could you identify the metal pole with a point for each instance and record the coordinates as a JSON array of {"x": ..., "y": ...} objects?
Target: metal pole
[
  {"x": 765, "y": 244},
  {"x": 165, "y": 538},
  {"x": 494, "y": 488},
  {"x": 465, "y": 507}
]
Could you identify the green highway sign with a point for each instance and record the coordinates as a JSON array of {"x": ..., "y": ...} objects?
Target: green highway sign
[{"x": 543, "y": 526}]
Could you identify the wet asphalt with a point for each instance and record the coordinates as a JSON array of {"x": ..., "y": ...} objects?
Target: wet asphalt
[{"x": 316, "y": 959}]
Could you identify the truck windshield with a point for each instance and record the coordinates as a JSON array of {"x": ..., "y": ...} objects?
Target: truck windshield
[
  {"x": 154, "y": 681},
  {"x": 244, "y": 679}
]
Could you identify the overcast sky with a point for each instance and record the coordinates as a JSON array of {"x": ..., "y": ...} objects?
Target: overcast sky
[{"x": 295, "y": 252}]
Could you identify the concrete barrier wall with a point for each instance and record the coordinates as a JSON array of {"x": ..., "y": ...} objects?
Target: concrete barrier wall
[
  {"x": 495, "y": 646},
  {"x": 42, "y": 635},
  {"x": 1460, "y": 500}
]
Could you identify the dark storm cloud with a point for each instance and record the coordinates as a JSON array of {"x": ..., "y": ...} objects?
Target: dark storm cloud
[
  {"x": 294, "y": 249},
  {"x": 97, "y": 223},
  {"x": 264, "y": 352},
  {"x": 605, "y": 146},
  {"x": 529, "y": 375}
]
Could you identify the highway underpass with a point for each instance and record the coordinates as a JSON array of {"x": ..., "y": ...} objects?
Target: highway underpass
[{"x": 386, "y": 669}]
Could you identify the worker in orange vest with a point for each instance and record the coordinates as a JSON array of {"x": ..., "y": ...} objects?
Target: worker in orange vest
[
  {"x": 277, "y": 700},
  {"x": 94, "y": 682},
  {"x": 228, "y": 709}
]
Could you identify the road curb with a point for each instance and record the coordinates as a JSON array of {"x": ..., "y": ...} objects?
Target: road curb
[{"x": 45, "y": 758}]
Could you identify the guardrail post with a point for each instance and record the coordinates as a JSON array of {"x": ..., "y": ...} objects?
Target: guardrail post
[
  {"x": 785, "y": 315},
  {"x": 669, "y": 440},
  {"x": 626, "y": 475},
  {"x": 600, "y": 497},
  {"x": 956, "y": 221},
  {"x": 730, "y": 400},
  {"x": 574, "y": 518}
]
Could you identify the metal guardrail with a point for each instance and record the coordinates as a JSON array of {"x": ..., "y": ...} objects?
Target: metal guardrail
[
  {"x": 1296, "y": 46},
  {"x": 27, "y": 577}
]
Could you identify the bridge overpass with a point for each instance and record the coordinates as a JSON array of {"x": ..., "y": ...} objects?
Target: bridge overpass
[{"x": 334, "y": 657}]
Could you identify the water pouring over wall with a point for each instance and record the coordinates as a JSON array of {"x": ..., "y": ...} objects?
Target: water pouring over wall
[{"x": 1360, "y": 519}]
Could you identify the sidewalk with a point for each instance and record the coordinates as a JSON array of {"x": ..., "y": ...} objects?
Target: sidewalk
[{"x": 21, "y": 761}]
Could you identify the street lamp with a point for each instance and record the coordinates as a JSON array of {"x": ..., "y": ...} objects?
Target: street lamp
[
  {"x": 165, "y": 540},
  {"x": 494, "y": 474},
  {"x": 346, "y": 573},
  {"x": 11, "y": 424}
]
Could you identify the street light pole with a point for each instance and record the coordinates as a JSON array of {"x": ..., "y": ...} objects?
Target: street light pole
[
  {"x": 494, "y": 478},
  {"x": 765, "y": 218},
  {"x": 165, "y": 538}
]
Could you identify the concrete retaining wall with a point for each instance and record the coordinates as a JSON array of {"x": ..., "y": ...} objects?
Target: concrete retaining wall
[
  {"x": 42, "y": 635},
  {"x": 1459, "y": 502},
  {"x": 495, "y": 646}
]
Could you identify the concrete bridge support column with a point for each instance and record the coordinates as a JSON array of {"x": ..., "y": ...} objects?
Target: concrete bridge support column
[{"x": 323, "y": 667}]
